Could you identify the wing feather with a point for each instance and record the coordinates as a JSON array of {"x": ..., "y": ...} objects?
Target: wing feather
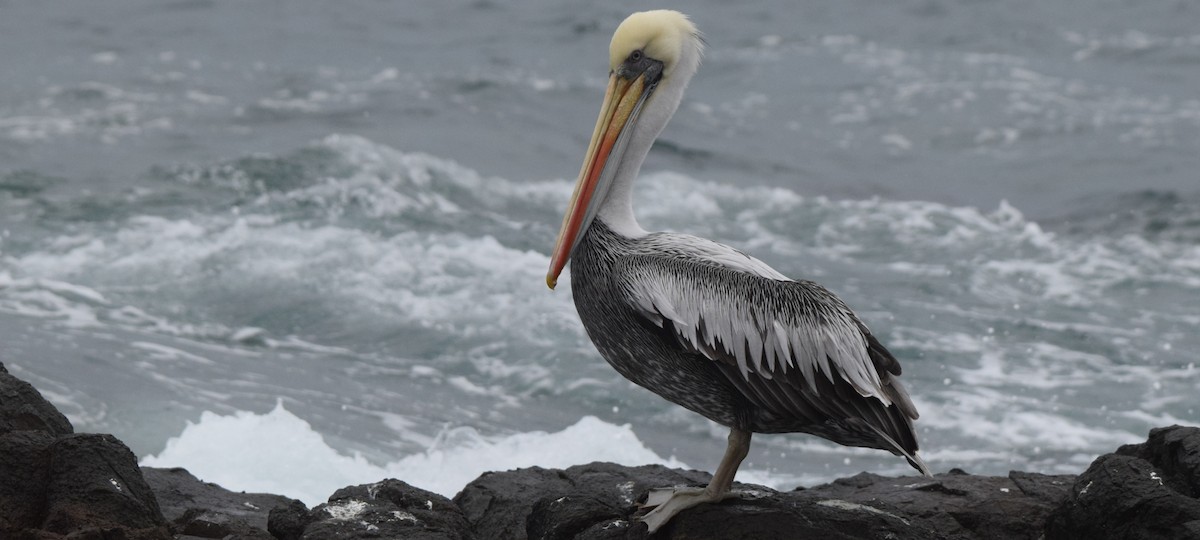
[
  {"x": 722, "y": 310},
  {"x": 791, "y": 347}
]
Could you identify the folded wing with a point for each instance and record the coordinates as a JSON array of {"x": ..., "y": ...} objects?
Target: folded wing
[{"x": 795, "y": 350}]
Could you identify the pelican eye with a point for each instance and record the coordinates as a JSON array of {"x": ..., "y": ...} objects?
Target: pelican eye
[{"x": 638, "y": 64}]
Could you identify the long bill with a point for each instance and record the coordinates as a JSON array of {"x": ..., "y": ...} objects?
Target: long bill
[{"x": 623, "y": 101}]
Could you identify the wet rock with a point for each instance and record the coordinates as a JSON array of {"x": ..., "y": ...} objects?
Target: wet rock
[
  {"x": 289, "y": 521},
  {"x": 796, "y": 515},
  {"x": 24, "y": 466},
  {"x": 1175, "y": 451},
  {"x": 387, "y": 509},
  {"x": 597, "y": 498},
  {"x": 598, "y": 501},
  {"x": 206, "y": 510},
  {"x": 1142, "y": 491},
  {"x": 95, "y": 481},
  {"x": 957, "y": 504},
  {"x": 575, "y": 516},
  {"x": 54, "y": 483}
]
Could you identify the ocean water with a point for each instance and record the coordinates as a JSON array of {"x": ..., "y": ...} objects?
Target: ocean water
[{"x": 256, "y": 239}]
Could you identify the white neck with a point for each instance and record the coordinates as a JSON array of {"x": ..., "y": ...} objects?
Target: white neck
[{"x": 617, "y": 209}]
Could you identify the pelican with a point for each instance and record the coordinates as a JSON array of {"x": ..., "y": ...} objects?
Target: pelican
[{"x": 699, "y": 323}]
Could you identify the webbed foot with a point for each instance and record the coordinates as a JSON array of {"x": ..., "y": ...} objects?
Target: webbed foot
[{"x": 665, "y": 503}]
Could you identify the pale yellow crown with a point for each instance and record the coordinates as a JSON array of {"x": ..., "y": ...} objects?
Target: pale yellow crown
[{"x": 660, "y": 34}]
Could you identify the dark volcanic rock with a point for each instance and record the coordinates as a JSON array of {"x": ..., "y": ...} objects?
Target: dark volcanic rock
[
  {"x": 598, "y": 501},
  {"x": 206, "y": 510},
  {"x": 387, "y": 509},
  {"x": 794, "y": 515},
  {"x": 24, "y": 466},
  {"x": 94, "y": 487},
  {"x": 1147, "y": 490},
  {"x": 288, "y": 522},
  {"x": 567, "y": 502},
  {"x": 1175, "y": 451},
  {"x": 95, "y": 482},
  {"x": 22, "y": 408},
  {"x": 54, "y": 483},
  {"x": 958, "y": 504}
]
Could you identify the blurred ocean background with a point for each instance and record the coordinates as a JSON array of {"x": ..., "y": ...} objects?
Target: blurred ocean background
[{"x": 293, "y": 245}]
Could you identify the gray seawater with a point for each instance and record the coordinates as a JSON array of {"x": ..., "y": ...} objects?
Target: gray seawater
[{"x": 211, "y": 206}]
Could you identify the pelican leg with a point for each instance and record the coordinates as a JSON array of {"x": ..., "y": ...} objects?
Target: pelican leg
[{"x": 666, "y": 502}]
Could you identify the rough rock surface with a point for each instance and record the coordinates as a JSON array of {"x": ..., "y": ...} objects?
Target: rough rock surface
[
  {"x": 387, "y": 509},
  {"x": 558, "y": 503},
  {"x": 54, "y": 483},
  {"x": 598, "y": 501},
  {"x": 958, "y": 504},
  {"x": 206, "y": 510},
  {"x": 1142, "y": 491}
]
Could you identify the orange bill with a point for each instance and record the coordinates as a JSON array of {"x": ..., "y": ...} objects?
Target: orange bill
[{"x": 620, "y": 101}]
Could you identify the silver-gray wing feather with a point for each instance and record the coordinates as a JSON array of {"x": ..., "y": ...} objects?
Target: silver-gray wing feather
[{"x": 791, "y": 347}]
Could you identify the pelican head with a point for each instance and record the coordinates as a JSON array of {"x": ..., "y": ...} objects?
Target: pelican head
[{"x": 652, "y": 57}]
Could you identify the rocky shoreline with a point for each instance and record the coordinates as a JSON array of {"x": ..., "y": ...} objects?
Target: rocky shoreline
[{"x": 55, "y": 483}]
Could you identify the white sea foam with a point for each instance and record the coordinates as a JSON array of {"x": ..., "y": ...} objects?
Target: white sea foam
[{"x": 278, "y": 452}]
